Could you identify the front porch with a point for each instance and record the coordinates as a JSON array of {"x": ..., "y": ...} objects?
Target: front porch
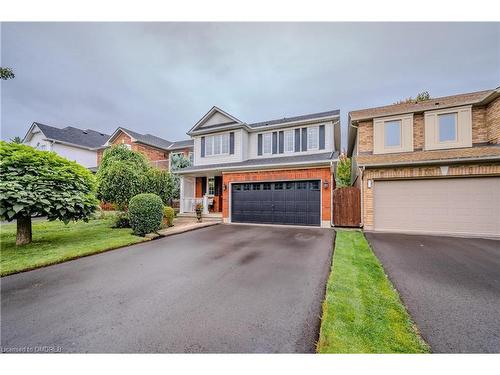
[{"x": 205, "y": 190}]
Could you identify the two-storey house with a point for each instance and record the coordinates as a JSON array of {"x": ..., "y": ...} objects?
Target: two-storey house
[
  {"x": 80, "y": 145},
  {"x": 430, "y": 167},
  {"x": 271, "y": 172}
]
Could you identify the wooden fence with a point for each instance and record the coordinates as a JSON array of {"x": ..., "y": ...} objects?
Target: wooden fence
[{"x": 347, "y": 207}]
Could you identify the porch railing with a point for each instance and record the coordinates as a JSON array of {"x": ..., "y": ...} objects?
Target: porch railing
[{"x": 189, "y": 204}]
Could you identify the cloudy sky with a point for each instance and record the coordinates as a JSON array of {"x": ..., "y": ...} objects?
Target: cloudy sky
[{"x": 160, "y": 78}]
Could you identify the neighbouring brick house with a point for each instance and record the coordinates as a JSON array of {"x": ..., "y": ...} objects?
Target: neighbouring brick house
[
  {"x": 430, "y": 167},
  {"x": 271, "y": 172},
  {"x": 156, "y": 149}
]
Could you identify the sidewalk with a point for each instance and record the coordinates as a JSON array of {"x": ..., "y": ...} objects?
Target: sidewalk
[{"x": 185, "y": 224}]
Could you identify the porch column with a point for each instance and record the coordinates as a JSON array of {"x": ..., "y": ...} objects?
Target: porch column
[{"x": 181, "y": 195}]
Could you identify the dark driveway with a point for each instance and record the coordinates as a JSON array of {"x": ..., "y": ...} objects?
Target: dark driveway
[
  {"x": 451, "y": 287},
  {"x": 227, "y": 288}
]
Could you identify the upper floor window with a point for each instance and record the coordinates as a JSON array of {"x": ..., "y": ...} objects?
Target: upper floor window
[
  {"x": 447, "y": 127},
  {"x": 267, "y": 143},
  {"x": 191, "y": 157},
  {"x": 289, "y": 141},
  {"x": 217, "y": 144},
  {"x": 392, "y": 133},
  {"x": 312, "y": 138}
]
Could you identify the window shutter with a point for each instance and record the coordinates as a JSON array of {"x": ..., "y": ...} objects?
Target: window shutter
[
  {"x": 202, "y": 147},
  {"x": 259, "y": 144},
  {"x": 304, "y": 139},
  {"x": 297, "y": 140},
  {"x": 275, "y": 142},
  {"x": 281, "y": 143},
  {"x": 322, "y": 137},
  {"x": 231, "y": 143}
]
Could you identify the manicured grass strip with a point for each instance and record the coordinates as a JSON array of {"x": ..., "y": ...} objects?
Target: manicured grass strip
[
  {"x": 362, "y": 312},
  {"x": 54, "y": 242}
]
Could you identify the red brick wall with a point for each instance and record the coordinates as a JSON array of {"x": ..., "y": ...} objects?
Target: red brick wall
[{"x": 282, "y": 175}]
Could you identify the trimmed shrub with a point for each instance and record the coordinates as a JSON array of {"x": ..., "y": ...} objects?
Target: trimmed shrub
[
  {"x": 168, "y": 215},
  {"x": 121, "y": 220},
  {"x": 145, "y": 212}
]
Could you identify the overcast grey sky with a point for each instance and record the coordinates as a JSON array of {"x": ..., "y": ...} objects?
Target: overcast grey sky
[{"x": 162, "y": 77}]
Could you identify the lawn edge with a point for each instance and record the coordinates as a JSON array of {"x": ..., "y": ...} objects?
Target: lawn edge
[
  {"x": 73, "y": 258},
  {"x": 413, "y": 325}
]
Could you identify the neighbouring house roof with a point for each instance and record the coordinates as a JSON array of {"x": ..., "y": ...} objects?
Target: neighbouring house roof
[
  {"x": 152, "y": 140},
  {"x": 278, "y": 161},
  {"x": 181, "y": 144},
  {"x": 84, "y": 138},
  {"x": 478, "y": 97}
]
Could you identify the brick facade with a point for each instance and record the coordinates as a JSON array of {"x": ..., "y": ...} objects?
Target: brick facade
[
  {"x": 158, "y": 156},
  {"x": 486, "y": 169},
  {"x": 418, "y": 132},
  {"x": 493, "y": 121},
  {"x": 485, "y": 129},
  {"x": 323, "y": 174}
]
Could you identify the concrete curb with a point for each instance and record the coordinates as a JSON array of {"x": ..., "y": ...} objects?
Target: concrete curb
[{"x": 187, "y": 228}]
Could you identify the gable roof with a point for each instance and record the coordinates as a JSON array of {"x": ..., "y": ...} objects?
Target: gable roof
[
  {"x": 478, "y": 97},
  {"x": 87, "y": 138},
  {"x": 229, "y": 120},
  {"x": 151, "y": 140}
]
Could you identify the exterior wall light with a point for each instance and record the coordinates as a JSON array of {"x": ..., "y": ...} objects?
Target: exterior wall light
[
  {"x": 325, "y": 184},
  {"x": 224, "y": 187}
]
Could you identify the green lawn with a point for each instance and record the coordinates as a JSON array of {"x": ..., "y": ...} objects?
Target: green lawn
[
  {"x": 54, "y": 242},
  {"x": 362, "y": 312}
]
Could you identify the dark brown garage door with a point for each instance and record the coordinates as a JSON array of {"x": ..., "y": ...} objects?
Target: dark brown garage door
[{"x": 290, "y": 202}]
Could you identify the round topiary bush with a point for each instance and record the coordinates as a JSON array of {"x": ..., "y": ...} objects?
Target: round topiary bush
[
  {"x": 145, "y": 213},
  {"x": 169, "y": 215}
]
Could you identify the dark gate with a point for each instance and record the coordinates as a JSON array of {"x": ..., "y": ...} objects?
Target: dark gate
[{"x": 347, "y": 207}]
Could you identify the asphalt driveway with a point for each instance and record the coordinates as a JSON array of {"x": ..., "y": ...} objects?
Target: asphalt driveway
[
  {"x": 451, "y": 287},
  {"x": 227, "y": 288}
]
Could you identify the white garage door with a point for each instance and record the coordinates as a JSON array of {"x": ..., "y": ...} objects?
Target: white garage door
[{"x": 462, "y": 206}]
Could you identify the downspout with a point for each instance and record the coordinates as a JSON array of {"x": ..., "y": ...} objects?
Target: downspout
[
  {"x": 362, "y": 169},
  {"x": 332, "y": 179}
]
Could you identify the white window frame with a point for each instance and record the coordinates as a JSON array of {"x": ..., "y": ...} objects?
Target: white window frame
[
  {"x": 289, "y": 134},
  {"x": 221, "y": 147},
  {"x": 191, "y": 157},
  {"x": 310, "y": 138},
  {"x": 267, "y": 137},
  {"x": 400, "y": 124},
  {"x": 438, "y": 117}
]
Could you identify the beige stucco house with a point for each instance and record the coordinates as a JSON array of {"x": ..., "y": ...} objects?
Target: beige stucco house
[{"x": 430, "y": 167}]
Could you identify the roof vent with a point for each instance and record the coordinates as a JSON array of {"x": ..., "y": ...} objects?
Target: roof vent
[
  {"x": 437, "y": 103},
  {"x": 85, "y": 132}
]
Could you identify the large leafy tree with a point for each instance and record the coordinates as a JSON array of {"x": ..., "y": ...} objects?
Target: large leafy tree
[
  {"x": 42, "y": 183},
  {"x": 161, "y": 183}
]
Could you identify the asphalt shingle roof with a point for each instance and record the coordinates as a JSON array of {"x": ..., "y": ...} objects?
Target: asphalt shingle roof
[
  {"x": 277, "y": 160},
  {"x": 181, "y": 144},
  {"x": 148, "y": 139},
  {"x": 426, "y": 105},
  {"x": 86, "y": 138},
  {"x": 284, "y": 120}
]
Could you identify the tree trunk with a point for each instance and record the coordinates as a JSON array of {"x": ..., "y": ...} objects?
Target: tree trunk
[{"x": 23, "y": 230}]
